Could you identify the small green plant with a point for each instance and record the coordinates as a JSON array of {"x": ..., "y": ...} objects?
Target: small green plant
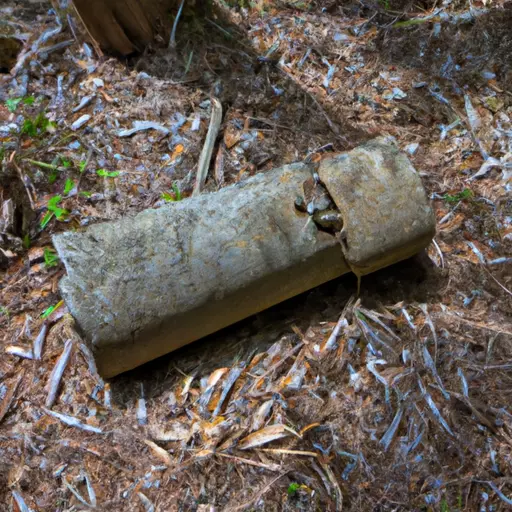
[
  {"x": 52, "y": 177},
  {"x": 174, "y": 196},
  {"x": 293, "y": 488},
  {"x": 107, "y": 174},
  {"x": 53, "y": 211},
  {"x": 4, "y": 311},
  {"x": 26, "y": 241},
  {"x": 37, "y": 126},
  {"x": 48, "y": 311},
  {"x": 459, "y": 196},
  {"x": 68, "y": 186},
  {"x": 65, "y": 162},
  {"x": 58, "y": 164},
  {"x": 82, "y": 165},
  {"x": 84, "y": 193},
  {"x": 12, "y": 104},
  {"x": 50, "y": 258}
]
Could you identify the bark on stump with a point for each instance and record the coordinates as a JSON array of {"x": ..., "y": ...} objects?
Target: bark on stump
[{"x": 127, "y": 26}]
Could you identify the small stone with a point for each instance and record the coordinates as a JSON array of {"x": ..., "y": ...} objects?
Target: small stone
[
  {"x": 488, "y": 75},
  {"x": 80, "y": 122},
  {"x": 98, "y": 82},
  {"x": 339, "y": 36},
  {"x": 398, "y": 94},
  {"x": 387, "y": 95},
  {"x": 9, "y": 128},
  {"x": 196, "y": 123},
  {"x": 83, "y": 103},
  {"x": 412, "y": 148}
]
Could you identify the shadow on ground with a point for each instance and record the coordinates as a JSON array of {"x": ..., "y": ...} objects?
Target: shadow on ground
[
  {"x": 463, "y": 53},
  {"x": 416, "y": 280},
  {"x": 219, "y": 60}
]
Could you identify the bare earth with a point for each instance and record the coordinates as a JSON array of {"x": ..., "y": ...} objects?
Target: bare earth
[{"x": 409, "y": 408}]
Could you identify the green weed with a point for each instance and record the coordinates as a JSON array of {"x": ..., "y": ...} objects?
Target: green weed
[
  {"x": 107, "y": 174},
  {"x": 50, "y": 257},
  {"x": 293, "y": 488},
  {"x": 48, "y": 311},
  {"x": 460, "y": 196},
  {"x": 174, "y": 196},
  {"x": 68, "y": 186},
  {"x": 53, "y": 211},
  {"x": 37, "y": 126},
  {"x": 12, "y": 104}
]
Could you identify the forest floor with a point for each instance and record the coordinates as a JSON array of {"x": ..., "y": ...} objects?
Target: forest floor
[{"x": 412, "y": 410}]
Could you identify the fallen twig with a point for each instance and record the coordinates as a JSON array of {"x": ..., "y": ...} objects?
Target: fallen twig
[
  {"x": 438, "y": 249},
  {"x": 20, "y": 502},
  {"x": 250, "y": 462},
  {"x": 342, "y": 322},
  {"x": 172, "y": 39},
  {"x": 57, "y": 372},
  {"x": 15, "y": 350},
  {"x": 148, "y": 505},
  {"x": 35, "y": 48},
  {"x": 439, "y": 16},
  {"x": 72, "y": 421},
  {"x": 39, "y": 341},
  {"x": 259, "y": 494},
  {"x": 9, "y": 397},
  {"x": 209, "y": 143}
]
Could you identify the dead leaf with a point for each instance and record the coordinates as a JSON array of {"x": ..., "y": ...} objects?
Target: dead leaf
[
  {"x": 265, "y": 435},
  {"x": 159, "y": 452},
  {"x": 177, "y": 431}
]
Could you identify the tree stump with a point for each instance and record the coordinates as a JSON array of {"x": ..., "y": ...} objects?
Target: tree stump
[{"x": 127, "y": 26}]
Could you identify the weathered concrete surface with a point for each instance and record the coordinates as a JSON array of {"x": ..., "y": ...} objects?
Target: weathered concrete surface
[
  {"x": 144, "y": 286},
  {"x": 386, "y": 214}
]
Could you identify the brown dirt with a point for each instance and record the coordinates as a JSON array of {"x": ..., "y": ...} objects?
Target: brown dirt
[{"x": 276, "y": 111}]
